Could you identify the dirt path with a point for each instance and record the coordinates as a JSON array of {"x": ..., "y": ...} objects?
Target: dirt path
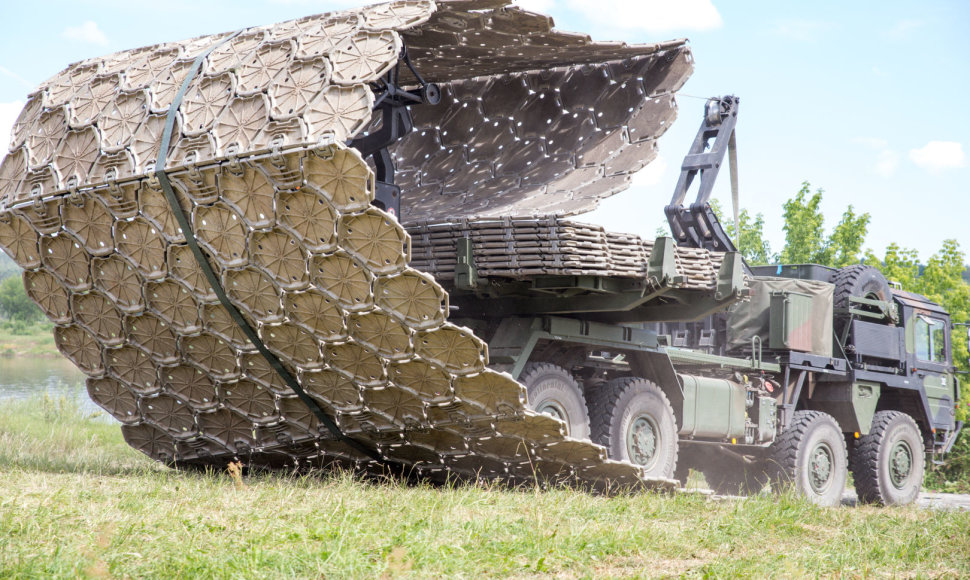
[
  {"x": 928, "y": 500},
  {"x": 943, "y": 501}
]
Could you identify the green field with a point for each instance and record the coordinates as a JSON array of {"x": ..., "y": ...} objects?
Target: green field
[
  {"x": 76, "y": 501},
  {"x": 34, "y": 339}
]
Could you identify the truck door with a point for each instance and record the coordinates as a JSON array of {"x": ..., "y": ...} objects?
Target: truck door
[{"x": 932, "y": 349}]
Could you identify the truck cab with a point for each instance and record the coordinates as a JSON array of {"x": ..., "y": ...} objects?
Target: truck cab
[
  {"x": 897, "y": 341},
  {"x": 927, "y": 338}
]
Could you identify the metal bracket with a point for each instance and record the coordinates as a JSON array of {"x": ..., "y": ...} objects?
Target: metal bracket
[
  {"x": 952, "y": 437},
  {"x": 73, "y": 195},
  {"x": 886, "y": 309},
  {"x": 661, "y": 266},
  {"x": 232, "y": 157},
  {"x": 517, "y": 337},
  {"x": 788, "y": 405},
  {"x": 730, "y": 277},
  {"x": 466, "y": 275},
  {"x": 393, "y": 102}
]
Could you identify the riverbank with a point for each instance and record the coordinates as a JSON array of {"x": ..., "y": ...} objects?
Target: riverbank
[
  {"x": 77, "y": 501},
  {"x": 35, "y": 339}
]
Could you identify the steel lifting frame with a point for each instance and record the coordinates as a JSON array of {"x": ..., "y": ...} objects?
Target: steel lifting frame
[{"x": 697, "y": 226}]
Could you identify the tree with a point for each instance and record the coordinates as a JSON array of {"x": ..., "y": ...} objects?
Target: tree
[
  {"x": 899, "y": 265},
  {"x": 752, "y": 243},
  {"x": 14, "y": 303},
  {"x": 844, "y": 245},
  {"x": 805, "y": 240},
  {"x": 7, "y": 266}
]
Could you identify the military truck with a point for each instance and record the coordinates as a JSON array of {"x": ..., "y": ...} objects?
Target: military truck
[
  {"x": 816, "y": 373},
  {"x": 244, "y": 240}
]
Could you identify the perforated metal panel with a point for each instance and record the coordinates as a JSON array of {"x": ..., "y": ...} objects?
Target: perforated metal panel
[{"x": 533, "y": 121}]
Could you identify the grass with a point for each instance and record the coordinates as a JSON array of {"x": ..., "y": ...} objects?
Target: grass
[
  {"x": 27, "y": 339},
  {"x": 76, "y": 501}
]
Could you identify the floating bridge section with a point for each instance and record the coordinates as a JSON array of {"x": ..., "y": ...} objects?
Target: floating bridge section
[{"x": 193, "y": 220}]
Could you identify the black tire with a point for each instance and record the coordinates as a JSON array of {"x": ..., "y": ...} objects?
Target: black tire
[
  {"x": 633, "y": 419},
  {"x": 727, "y": 474},
  {"x": 860, "y": 281},
  {"x": 888, "y": 463},
  {"x": 810, "y": 457},
  {"x": 552, "y": 390}
]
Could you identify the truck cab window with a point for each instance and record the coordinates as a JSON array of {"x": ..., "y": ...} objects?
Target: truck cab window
[
  {"x": 938, "y": 340},
  {"x": 930, "y": 339}
]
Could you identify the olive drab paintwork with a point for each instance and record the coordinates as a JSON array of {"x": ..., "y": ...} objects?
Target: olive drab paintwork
[
  {"x": 928, "y": 352},
  {"x": 786, "y": 314},
  {"x": 940, "y": 394},
  {"x": 713, "y": 408},
  {"x": 340, "y": 240},
  {"x": 852, "y": 404},
  {"x": 791, "y": 321}
]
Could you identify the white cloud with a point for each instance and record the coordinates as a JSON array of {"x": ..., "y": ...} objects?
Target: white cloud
[
  {"x": 654, "y": 16},
  {"x": 88, "y": 32},
  {"x": 886, "y": 163},
  {"x": 8, "y": 116},
  {"x": 801, "y": 30},
  {"x": 936, "y": 156}
]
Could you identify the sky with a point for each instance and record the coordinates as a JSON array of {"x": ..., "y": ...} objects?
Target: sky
[{"x": 867, "y": 100}]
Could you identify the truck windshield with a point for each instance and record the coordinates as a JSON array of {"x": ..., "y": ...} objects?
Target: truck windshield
[{"x": 930, "y": 339}]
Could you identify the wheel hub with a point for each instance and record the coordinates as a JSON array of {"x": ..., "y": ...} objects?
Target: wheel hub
[
  {"x": 820, "y": 468},
  {"x": 900, "y": 464},
  {"x": 642, "y": 441},
  {"x": 555, "y": 410}
]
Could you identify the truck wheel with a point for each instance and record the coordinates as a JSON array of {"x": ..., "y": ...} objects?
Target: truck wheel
[
  {"x": 552, "y": 390},
  {"x": 860, "y": 281},
  {"x": 888, "y": 463},
  {"x": 810, "y": 456},
  {"x": 635, "y": 422}
]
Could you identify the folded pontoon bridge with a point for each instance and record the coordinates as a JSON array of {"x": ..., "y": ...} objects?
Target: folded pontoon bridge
[{"x": 244, "y": 239}]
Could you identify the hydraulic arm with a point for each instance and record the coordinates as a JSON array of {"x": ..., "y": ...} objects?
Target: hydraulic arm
[{"x": 697, "y": 226}]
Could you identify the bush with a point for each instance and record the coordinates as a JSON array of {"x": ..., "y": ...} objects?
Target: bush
[
  {"x": 952, "y": 476},
  {"x": 16, "y": 327}
]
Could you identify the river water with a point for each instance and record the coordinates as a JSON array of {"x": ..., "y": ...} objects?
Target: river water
[{"x": 26, "y": 377}]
